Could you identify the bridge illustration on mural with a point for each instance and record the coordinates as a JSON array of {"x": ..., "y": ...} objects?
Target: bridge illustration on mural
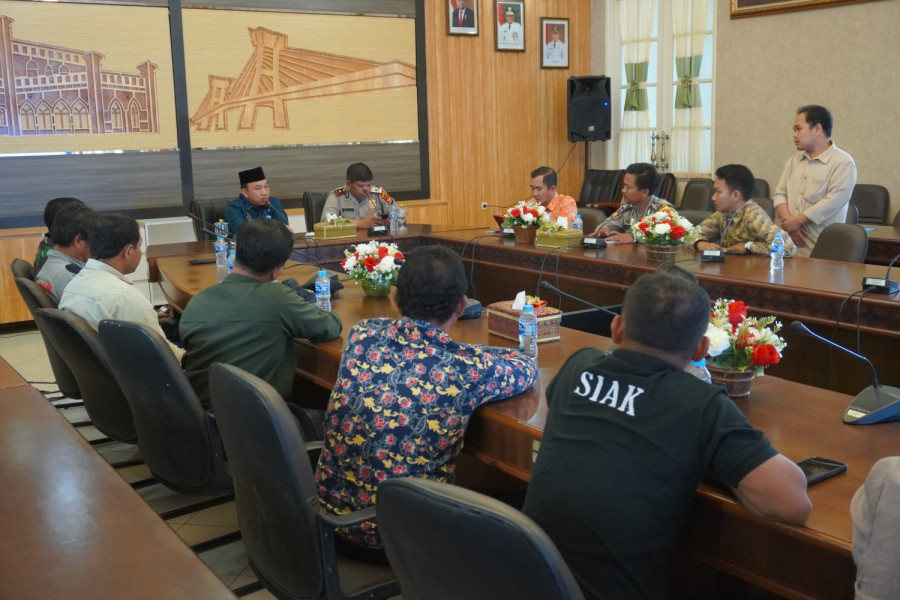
[
  {"x": 52, "y": 90},
  {"x": 277, "y": 74}
]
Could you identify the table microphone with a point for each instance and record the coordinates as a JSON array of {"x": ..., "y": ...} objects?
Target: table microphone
[
  {"x": 208, "y": 227},
  {"x": 875, "y": 404},
  {"x": 546, "y": 285},
  {"x": 877, "y": 285}
]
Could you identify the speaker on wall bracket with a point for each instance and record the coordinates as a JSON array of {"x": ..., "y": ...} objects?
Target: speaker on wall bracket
[{"x": 589, "y": 110}]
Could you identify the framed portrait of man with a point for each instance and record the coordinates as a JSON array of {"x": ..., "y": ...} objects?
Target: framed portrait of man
[
  {"x": 509, "y": 20},
  {"x": 554, "y": 43},
  {"x": 462, "y": 17}
]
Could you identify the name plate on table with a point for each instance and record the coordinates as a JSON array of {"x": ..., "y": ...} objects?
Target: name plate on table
[{"x": 377, "y": 231}]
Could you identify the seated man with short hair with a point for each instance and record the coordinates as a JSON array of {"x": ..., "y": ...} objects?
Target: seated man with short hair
[
  {"x": 405, "y": 391},
  {"x": 50, "y": 210},
  {"x": 637, "y": 201},
  {"x": 250, "y": 321},
  {"x": 71, "y": 249},
  {"x": 545, "y": 193},
  {"x": 739, "y": 225},
  {"x": 630, "y": 435},
  {"x": 101, "y": 289},
  {"x": 358, "y": 201}
]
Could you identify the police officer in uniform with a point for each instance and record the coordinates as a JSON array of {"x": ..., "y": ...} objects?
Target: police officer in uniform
[{"x": 358, "y": 201}]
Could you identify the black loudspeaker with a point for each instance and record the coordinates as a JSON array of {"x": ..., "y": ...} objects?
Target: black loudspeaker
[{"x": 590, "y": 115}]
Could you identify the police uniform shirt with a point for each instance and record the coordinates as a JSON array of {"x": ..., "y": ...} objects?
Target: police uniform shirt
[{"x": 342, "y": 203}]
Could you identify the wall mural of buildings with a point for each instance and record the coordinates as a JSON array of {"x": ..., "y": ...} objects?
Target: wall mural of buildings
[{"x": 51, "y": 90}]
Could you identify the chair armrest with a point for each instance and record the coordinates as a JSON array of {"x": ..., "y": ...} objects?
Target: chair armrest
[{"x": 353, "y": 518}]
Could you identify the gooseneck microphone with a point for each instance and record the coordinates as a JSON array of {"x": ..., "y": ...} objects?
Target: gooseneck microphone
[
  {"x": 546, "y": 285},
  {"x": 875, "y": 404},
  {"x": 270, "y": 208},
  {"x": 208, "y": 227}
]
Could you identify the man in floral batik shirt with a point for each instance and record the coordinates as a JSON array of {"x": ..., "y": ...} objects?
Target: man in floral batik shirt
[
  {"x": 543, "y": 190},
  {"x": 405, "y": 391}
]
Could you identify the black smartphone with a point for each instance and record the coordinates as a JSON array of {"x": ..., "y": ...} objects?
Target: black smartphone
[{"x": 819, "y": 469}]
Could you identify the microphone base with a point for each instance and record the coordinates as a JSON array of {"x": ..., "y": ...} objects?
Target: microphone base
[
  {"x": 472, "y": 310},
  {"x": 712, "y": 256},
  {"x": 877, "y": 285},
  {"x": 874, "y": 405}
]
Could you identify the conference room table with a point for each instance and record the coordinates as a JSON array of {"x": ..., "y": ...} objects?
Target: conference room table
[
  {"x": 72, "y": 527},
  {"x": 801, "y": 421},
  {"x": 884, "y": 243}
]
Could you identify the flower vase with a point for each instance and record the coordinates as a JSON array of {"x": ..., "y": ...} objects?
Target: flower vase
[
  {"x": 376, "y": 289},
  {"x": 736, "y": 383},
  {"x": 661, "y": 253},
  {"x": 525, "y": 235}
]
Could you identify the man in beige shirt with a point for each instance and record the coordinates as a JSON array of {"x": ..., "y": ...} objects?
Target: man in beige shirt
[{"x": 816, "y": 183}]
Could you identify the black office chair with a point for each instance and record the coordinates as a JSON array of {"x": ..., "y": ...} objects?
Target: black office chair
[
  {"x": 446, "y": 542},
  {"x": 79, "y": 346},
  {"x": 35, "y": 297},
  {"x": 896, "y": 222},
  {"x": 313, "y": 203},
  {"x": 695, "y": 216},
  {"x": 852, "y": 214},
  {"x": 698, "y": 195},
  {"x": 288, "y": 537},
  {"x": 22, "y": 268},
  {"x": 208, "y": 212},
  {"x": 665, "y": 187},
  {"x": 760, "y": 189},
  {"x": 179, "y": 441},
  {"x": 873, "y": 202},
  {"x": 841, "y": 241},
  {"x": 767, "y": 205},
  {"x": 600, "y": 186}
]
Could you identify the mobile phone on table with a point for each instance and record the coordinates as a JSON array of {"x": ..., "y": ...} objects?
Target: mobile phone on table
[{"x": 819, "y": 469}]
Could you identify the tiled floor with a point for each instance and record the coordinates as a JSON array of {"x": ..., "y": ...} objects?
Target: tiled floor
[{"x": 24, "y": 350}]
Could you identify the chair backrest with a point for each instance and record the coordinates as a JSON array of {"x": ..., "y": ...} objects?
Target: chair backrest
[
  {"x": 313, "y": 202},
  {"x": 873, "y": 202},
  {"x": 275, "y": 491},
  {"x": 513, "y": 558},
  {"x": 841, "y": 241},
  {"x": 665, "y": 187},
  {"x": 760, "y": 189},
  {"x": 22, "y": 268},
  {"x": 79, "y": 346},
  {"x": 694, "y": 215},
  {"x": 767, "y": 205},
  {"x": 698, "y": 195},
  {"x": 852, "y": 214},
  {"x": 209, "y": 211},
  {"x": 896, "y": 222},
  {"x": 600, "y": 186},
  {"x": 178, "y": 441},
  {"x": 35, "y": 297},
  {"x": 591, "y": 217}
]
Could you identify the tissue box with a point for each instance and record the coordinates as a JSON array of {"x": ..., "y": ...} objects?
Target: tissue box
[
  {"x": 560, "y": 237},
  {"x": 327, "y": 231},
  {"x": 503, "y": 320}
]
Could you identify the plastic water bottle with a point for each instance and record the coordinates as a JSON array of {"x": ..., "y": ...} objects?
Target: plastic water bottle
[
  {"x": 528, "y": 332},
  {"x": 401, "y": 218},
  {"x": 231, "y": 254},
  {"x": 395, "y": 225},
  {"x": 220, "y": 245},
  {"x": 323, "y": 291},
  {"x": 777, "y": 260},
  {"x": 698, "y": 369},
  {"x": 578, "y": 223}
]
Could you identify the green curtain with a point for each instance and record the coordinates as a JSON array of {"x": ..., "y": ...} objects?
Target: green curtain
[
  {"x": 687, "y": 94},
  {"x": 636, "y": 96}
]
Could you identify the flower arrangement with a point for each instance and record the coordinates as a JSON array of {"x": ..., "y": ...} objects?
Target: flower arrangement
[
  {"x": 375, "y": 261},
  {"x": 336, "y": 220},
  {"x": 663, "y": 229},
  {"x": 739, "y": 342},
  {"x": 526, "y": 213}
]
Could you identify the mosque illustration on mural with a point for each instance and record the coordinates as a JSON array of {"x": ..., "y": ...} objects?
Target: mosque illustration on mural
[
  {"x": 51, "y": 90},
  {"x": 276, "y": 74}
]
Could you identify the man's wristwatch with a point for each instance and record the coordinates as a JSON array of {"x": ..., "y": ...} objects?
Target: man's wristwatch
[{"x": 748, "y": 246}]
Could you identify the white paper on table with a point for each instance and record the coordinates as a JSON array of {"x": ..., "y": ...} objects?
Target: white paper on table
[{"x": 562, "y": 222}]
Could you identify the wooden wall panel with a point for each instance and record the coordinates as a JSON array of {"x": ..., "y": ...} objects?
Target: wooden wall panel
[
  {"x": 17, "y": 243},
  {"x": 495, "y": 116}
]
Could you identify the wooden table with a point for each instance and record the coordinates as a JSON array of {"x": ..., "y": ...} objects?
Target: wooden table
[
  {"x": 800, "y": 420},
  {"x": 884, "y": 244},
  {"x": 75, "y": 529}
]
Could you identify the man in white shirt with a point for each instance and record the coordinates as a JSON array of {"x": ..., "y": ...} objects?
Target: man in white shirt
[
  {"x": 555, "y": 52},
  {"x": 511, "y": 32},
  {"x": 101, "y": 290},
  {"x": 816, "y": 183}
]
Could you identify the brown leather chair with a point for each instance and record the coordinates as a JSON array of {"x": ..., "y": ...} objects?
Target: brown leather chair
[
  {"x": 446, "y": 542},
  {"x": 841, "y": 241},
  {"x": 22, "y": 268},
  {"x": 698, "y": 195},
  {"x": 767, "y": 204},
  {"x": 694, "y": 215},
  {"x": 591, "y": 217},
  {"x": 852, "y": 214},
  {"x": 288, "y": 537},
  {"x": 760, "y": 188},
  {"x": 873, "y": 202}
]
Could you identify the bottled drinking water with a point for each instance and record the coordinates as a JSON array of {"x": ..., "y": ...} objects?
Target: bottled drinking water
[
  {"x": 231, "y": 254},
  {"x": 578, "y": 223},
  {"x": 528, "y": 332},
  {"x": 395, "y": 219},
  {"x": 698, "y": 369},
  {"x": 777, "y": 260},
  {"x": 221, "y": 247},
  {"x": 323, "y": 291}
]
